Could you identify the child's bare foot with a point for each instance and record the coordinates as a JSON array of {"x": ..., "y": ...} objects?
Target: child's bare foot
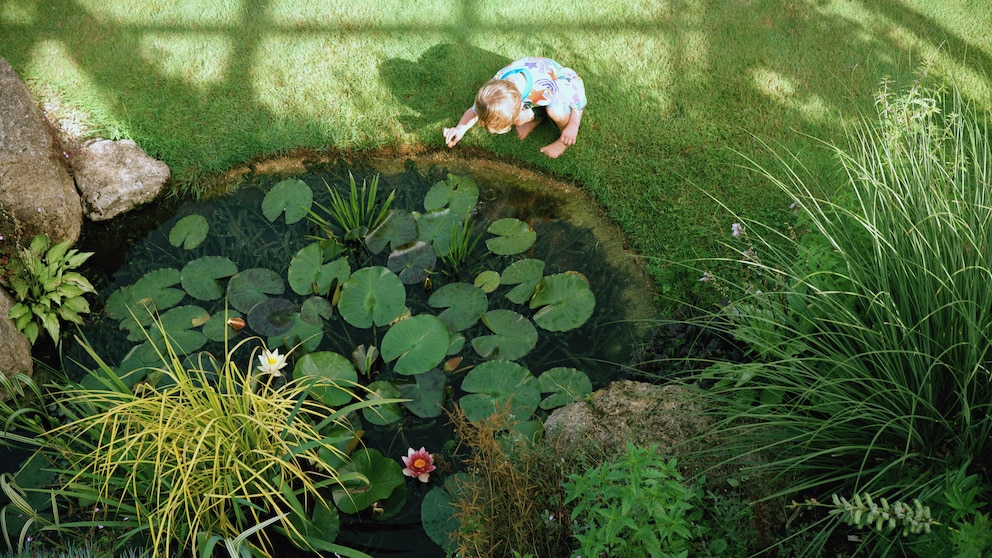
[
  {"x": 526, "y": 128},
  {"x": 555, "y": 149}
]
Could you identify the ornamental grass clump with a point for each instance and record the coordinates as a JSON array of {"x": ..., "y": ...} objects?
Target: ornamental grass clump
[{"x": 870, "y": 320}]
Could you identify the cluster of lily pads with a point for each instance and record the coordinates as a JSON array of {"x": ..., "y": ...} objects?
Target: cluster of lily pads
[{"x": 418, "y": 305}]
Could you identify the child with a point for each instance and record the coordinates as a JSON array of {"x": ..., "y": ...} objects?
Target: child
[{"x": 519, "y": 95}]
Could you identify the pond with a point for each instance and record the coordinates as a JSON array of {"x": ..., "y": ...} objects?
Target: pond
[{"x": 573, "y": 239}]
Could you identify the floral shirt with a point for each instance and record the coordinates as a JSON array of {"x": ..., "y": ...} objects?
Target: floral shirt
[{"x": 548, "y": 82}]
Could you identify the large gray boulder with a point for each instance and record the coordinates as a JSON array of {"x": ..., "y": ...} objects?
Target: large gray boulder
[
  {"x": 15, "y": 349},
  {"x": 35, "y": 187},
  {"x": 116, "y": 176}
]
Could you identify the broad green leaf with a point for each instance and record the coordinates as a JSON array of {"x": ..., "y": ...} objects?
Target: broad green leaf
[
  {"x": 526, "y": 274},
  {"x": 435, "y": 228},
  {"x": 565, "y": 302},
  {"x": 304, "y": 269},
  {"x": 512, "y": 236},
  {"x": 217, "y": 329},
  {"x": 565, "y": 385},
  {"x": 272, "y": 317},
  {"x": 303, "y": 336},
  {"x": 382, "y": 414},
  {"x": 332, "y": 273},
  {"x": 199, "y": 277},
  {"x": 384, "y": 474},
  {"x": 513, "y": 336},
  {"x": 417, "y": 344},
  {"x": 460, "y": 193},
  {"x": 292, "y": 196},
  {"x": 334, "y": 374},
  {"x": 498, "y": 385},
  {"x": 152, "y": 293},
  {"x": 399, "y": 228},
  {"x": 315, "y": 309},
  {"x": 488, "y": 281},
  {"x": 426, "y": 396},
  {"x": 372, "y": 295},
  {"x": 464, "y": 305},
  {"x": 439, "y": 518},
  {"x": 412, "y": 262},
  {"x": 251, "y": 286},
  {"x": 190, "y": 231},
  {"x": 181, "y": 324}
]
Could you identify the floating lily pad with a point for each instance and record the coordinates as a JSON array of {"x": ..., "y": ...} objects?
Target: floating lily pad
[
  {"x": 463, "y": 304},
  {"x": 488, "y": 281},
  {"x": 399, "y": 228},
  {"x": 385, "y": 475},
  {"x": 417, "y": 344},
  {"x": 426, "y": 396},
  {"x": 436, "y": 227},
  {"x": 292, "y": 196},
  {"x": 383, "y": 413},
  {"x": 331, "y": 274},
  {"x": 513, "y": 336},
  {"x": 217, "y": 329},
  {"x": 199, "y": 277},
  {"x": 565, "y": 385},
  {"x": 439, "y": 518},
  {"x": 190, "y": 232},
  {"x": 565, "y": 301},
  {"x": 460, "y": 193},
  {"x": 512, "y": 236},
  {"x": 316, "y": 309},
  {"x": 496, "y": 385},
  {"x": 304, "y": 269},
  {"x": 526, "y": 274},
  {"x": 456, "y": 341},
  {"x": 412, "y": 262},
  {"x": 303, "y": 336},
  {"x": 372, "y": 295},
  {"x": 334, "y": 374},
  {"x": 180, "y": 324},
  {"x": 251, "y": 286},
  {"x": 272, "y": 317}
]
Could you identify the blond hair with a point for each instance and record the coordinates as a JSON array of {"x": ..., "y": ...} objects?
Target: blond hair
[{"x": 498, "y": 105}]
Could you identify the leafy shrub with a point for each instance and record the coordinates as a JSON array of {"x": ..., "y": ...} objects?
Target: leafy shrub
[
  {"x": 870, "y": 322},
  {"x": 634, "y": 505},
  {"x": 47, "y": 289}
]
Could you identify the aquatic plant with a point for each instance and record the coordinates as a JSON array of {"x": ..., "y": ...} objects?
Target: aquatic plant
[{"x": 47, "y": 289}]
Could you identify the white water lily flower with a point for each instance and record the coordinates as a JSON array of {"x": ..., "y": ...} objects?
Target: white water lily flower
[{"x": 271, "y": 362}]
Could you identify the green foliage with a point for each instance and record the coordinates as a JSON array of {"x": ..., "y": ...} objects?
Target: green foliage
[
  {"x": 869, "y": 321},
  {"x": 634, "y": 505},
  {"x": 46, "y": 289},
  {"x": 356, "y": 216}
]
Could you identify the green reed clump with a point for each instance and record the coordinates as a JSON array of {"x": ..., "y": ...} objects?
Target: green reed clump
[{"x": 870, "y": 320}]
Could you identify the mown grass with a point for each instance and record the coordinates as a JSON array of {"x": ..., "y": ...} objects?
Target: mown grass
[{"x": 678, "y": 90}]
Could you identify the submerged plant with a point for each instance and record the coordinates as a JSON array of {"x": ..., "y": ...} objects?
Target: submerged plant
[{"x": 47, "y": 289}]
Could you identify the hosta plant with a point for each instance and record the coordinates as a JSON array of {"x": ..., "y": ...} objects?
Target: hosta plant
[{"x": 47, "y": 289}]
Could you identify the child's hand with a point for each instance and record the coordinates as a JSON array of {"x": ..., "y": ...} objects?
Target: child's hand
[{"x": 453, "y": 135}]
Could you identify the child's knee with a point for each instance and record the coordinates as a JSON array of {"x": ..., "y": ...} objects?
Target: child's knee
[{"x": 559, "y": 114}]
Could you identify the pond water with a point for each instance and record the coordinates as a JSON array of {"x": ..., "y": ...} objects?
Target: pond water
[{"x": 572, "y": 235}]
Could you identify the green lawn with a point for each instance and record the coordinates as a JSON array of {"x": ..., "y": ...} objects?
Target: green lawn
[{"x": 679, "y": 92}]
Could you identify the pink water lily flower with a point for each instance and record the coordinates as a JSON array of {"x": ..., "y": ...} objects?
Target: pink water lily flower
[{"x": 419, "y": 464}]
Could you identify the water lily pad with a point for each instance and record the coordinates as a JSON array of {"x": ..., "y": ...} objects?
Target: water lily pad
[
  {"x": 385, "y": 475},
  {"x": 488, "y": 281},
  {"x": 304, "y": 269},
  {"x": 497, "y": 385},
  {"x": 190, "y": 232},
  {"x": 565, "y": 385},
  {"x": 513, "y": 336},
  {"x": 525, "y": 274},
  {"x": 217, "y": 329},
  {"x": 251, "y": 286},
  {"x": 199, "y": 277},
  {"x": 412, "y": 262},
  {"x": 303, "y": 336},
  {"x": 292, "y": 196},
  {"x": 463, "y": 304},
  {"x": 460, "y": 193},
  {"x": 512, "y": 236},
  {"x": 383, "y": 413},
  {"x": 456, "y": 342},
  {"x": 417, "y": 344},
  {"x": 426, "y": 396},
  {"x": 316, "y": 309},
  {"x": 565, "y": 301},
  {"x": 272, "y": 316},
  {"x": 152, "y": 293},
  {"x": 372, "y": 295},
  {"x": 436, "y": 227},
  {"x": 334, "y": 374},
  {"x": 439, "y": 519},
  {"x": 397, "y": 229},
  {"x": 180, "y": 324},
  {"x": 332, "y": 274}
]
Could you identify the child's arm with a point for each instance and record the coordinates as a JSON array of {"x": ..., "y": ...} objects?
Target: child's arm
[
  {"x": 452, "y": 135},
  {"x": 571, "y": 130}
]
